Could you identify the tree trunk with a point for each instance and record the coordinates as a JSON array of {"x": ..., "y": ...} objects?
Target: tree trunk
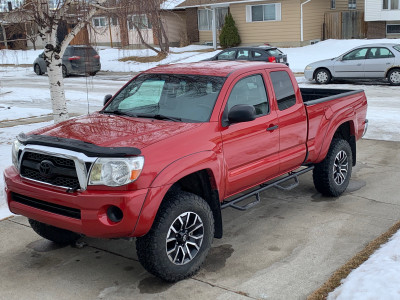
[{"x": 123, "y": 28}]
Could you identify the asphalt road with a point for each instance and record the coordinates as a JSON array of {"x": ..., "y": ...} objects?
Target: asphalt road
[{"x": 284, "y": 248}]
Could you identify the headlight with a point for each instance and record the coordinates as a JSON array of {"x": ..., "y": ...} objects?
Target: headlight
[
  {"x": 14, "y": 152},
  {"x": 309, "y": 68},
  {"x": 116, "y": 171}
]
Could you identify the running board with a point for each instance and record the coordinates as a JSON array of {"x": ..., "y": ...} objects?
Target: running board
[{"x": 265, "y": 186}]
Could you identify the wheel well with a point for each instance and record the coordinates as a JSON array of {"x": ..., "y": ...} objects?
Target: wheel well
[
  {"x": 391, "y": 69},
  {"x": 346, "y": 132},
  {"x": 321, "y": 68},
  {"x": 202, "y": 183}
]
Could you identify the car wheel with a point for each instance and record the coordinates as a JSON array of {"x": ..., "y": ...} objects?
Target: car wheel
[
  {"x": 64, "y": 71},
  {"x": 92, "y": 73},
  {"x": 332, "y": 175},
  {"x": 394, "y": 77},
  {"x": 54, "y": 234},
  {"x": 322, "y": 76},
  {"x": 37, "y": 70},
  {"x": 180, "y": 238}
]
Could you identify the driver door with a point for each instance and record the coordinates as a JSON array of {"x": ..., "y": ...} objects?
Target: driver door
[
  {"x": 351, "y": 65},
  {"x": 251, "y": 149}
]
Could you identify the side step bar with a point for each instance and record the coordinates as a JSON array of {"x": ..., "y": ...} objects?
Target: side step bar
[{"x": 265, "y": 186}]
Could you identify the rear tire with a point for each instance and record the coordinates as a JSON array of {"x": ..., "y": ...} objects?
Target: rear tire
[
  {"x": 322, "y": 76},
  {"x": 394, "y": 77},
  {"x": 332, "y": 175},
  {"x": 37, "y": 70},
  {"x": 54, "y": 234},
  {"x": 64, "y": 71},
  {"x": 180, "y": 238}
]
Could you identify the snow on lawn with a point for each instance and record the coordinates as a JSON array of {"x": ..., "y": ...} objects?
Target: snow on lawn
[
  {"x": 300, "y": 57},
  {"x": 376, "y": 278},
  {"x": 13, "y": 113},
  {"x": 7, "y": 136}
]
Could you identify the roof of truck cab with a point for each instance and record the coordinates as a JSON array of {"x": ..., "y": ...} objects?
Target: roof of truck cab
[{"x": 212, "y": 68}]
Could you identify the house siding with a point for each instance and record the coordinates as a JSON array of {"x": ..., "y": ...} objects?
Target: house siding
[
  {"x": 313, "y": 19},
  {"x": 375, "y": 12},
  {"x": 344, "y": 4},
  {"x": 175, "y": 26},
  {"x": 279, "y": 33}
]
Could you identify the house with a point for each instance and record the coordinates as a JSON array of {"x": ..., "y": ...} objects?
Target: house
[
  {"x": 277, "y": 22},
  {"x": 383, "y": 18}
]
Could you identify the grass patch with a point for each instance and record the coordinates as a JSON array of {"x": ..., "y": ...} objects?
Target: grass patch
[
  {"x": 201, "y": 50},
  {"x": 14, "y": 65},
  {"x": 335, "y": 280},
  {"x": 144, "y": 59}
]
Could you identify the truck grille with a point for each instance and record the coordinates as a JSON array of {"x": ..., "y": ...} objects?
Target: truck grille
[
  {"x": 47, "y": 206},
  {"x": 49, "y": 169}
]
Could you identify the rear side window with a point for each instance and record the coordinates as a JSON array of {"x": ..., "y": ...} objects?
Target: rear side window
[
  {"x": 379, "y": 53},
  {"x": 283, "y": 88},
  {"x": 84, "y": 52},
  {"x": 397, "y": 47},
  {"x": 274, "y": 52},
  {"x": 250, "y": 90},
  {"x": 243, "y": 54}
]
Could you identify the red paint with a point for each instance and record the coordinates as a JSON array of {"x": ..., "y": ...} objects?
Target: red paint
[{"x": 236, "y": 157}]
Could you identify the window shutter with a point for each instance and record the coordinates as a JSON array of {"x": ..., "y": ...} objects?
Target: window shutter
[
  {"x": 278, "y": 11},
  {"x": 248, "y": 13}
]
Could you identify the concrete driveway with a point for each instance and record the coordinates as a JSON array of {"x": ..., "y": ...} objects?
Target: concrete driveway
[{"x": 284, "y": 248}]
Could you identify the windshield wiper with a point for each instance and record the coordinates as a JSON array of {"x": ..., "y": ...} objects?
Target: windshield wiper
[
  {"x": 117, "y": 112},
  {"x": 159, "y": 117}
]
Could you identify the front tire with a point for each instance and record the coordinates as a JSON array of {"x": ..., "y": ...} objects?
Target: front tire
[
  {"x": 64, "y": 71},
  {"x": 180, "y": 238},
  {"x": 332, "y": 175},
  {"x": 394, "y": 77},
  {"x": 54, "y": 234},
  {"x": 322, "y": 76}
]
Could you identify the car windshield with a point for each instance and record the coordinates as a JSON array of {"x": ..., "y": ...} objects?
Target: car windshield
[
  {"x": 84, "y": 52},
  {"x": 397, "y": 47},
  {"x": 186, "y": 98}
]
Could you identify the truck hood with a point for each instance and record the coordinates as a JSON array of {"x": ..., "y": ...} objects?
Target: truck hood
[{"x": 116, "y": 131}]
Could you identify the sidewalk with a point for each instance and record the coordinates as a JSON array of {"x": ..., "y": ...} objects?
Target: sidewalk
[{"x": 283, "y": 249}]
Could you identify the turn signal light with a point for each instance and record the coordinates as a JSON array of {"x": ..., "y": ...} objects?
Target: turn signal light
[{"x": 74, "y": 58}]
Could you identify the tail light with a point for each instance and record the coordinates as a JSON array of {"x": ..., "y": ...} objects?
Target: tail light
[
  {"x": 272, "y": 59},
  {"x": 74, "y": 58},
  {"x": 97, "y": 56}
]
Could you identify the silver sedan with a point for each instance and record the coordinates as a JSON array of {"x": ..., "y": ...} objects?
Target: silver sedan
[{"x": 363, "y": 62}]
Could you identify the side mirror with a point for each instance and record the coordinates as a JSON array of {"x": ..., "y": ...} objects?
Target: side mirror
[
  {"x": 107, "y": 98},
  {"x": 241, "y": 113}
]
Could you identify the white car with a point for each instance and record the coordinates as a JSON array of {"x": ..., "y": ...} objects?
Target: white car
[{"x": 363, "y": 62}]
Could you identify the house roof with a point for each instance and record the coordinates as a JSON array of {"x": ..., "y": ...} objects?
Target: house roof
[
  {"x": 199, "y": 3},
  {"x": 170, "y": 4}
]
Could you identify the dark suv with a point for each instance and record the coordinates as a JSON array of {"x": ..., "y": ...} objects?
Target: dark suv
[
  {"x": 76, "y": 60},
  {"x": 261, "y": 53}
]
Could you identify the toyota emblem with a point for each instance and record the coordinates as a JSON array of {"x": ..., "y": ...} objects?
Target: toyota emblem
[{"x": 46, "y": 168}]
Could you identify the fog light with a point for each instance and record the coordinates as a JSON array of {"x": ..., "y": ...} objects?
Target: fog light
[{"x": 115, "y": 214}]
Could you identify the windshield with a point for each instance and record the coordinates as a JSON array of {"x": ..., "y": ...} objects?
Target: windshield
[
  {"x": 274, "y": 52},
  {"x": 186, "y": 98}
]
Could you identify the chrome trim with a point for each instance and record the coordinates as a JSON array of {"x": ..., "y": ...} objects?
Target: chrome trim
[
  {"x": 365, "y": 127},
  {"x": 79, "y": 159}
]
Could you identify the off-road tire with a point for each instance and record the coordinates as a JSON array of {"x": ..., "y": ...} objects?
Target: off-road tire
[
  {"x": 152, "y": 248},
  {"x": 37, "y": 69},
  {"x": 325, "y": 172},
  {"x": 322, "y": 76},
  {"x": 54, "y": 234},
  {"x": 64, "y": 71},
  {"x": 394, "y": 77}
]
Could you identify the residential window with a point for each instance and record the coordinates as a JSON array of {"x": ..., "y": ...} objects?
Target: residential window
[
  {"x": 264, "y": 12},
  {"x": 114, "y": 21},
  {"x": 141, "y": 21},
  {"x": 333, "y": 4},
  {"x": 391, "y": 4},
  {"x": 393, "y": 29},
  {"x": 204, "y": 18},
  {"x": 99, "y": 21},
  {"x": 352, "y": 4}
]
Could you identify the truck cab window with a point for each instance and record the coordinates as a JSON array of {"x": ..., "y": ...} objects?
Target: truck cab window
[
  {"x": 283, "y": 88},
  {"x": 250, "y": 90}
]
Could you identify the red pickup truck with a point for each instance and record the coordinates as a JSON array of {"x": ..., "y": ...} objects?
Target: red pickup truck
[{"x": 173, "y": 147}]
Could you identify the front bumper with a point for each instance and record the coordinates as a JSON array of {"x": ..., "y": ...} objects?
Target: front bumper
[
  {"x": 308, "y": 74},
  {"x": 91, "y": 205}
]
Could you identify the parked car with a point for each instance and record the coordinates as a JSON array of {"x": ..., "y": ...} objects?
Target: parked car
[
  {"x": 173, "y": 147},
  {"x": 76, "y": 60},
  {"x": 363, "y": 62},
  {"x": 261, "y": 53}
]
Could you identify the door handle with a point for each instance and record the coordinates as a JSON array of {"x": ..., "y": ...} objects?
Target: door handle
[{"x": 272, "y": 128}]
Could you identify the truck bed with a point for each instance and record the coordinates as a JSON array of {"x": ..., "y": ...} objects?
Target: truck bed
[{"x": 313, "y": 96}]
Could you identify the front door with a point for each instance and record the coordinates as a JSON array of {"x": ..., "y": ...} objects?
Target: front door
[
  {"x": 351, "y": 65},
  {"x": 251, "y": 149}
]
